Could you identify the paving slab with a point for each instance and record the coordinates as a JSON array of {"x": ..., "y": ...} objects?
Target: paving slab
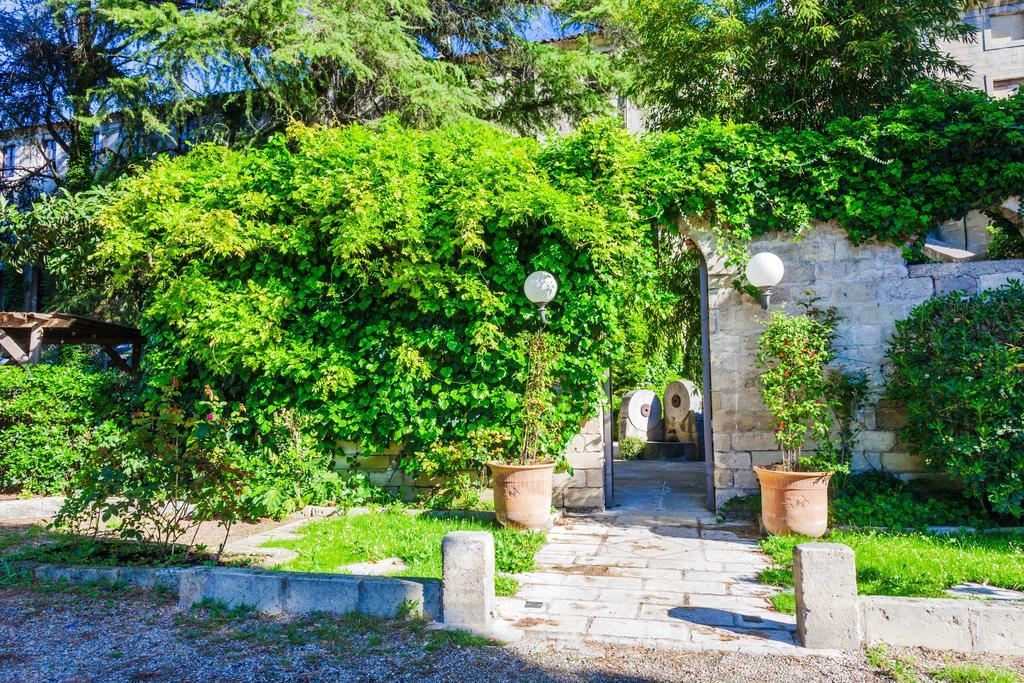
[{"x": 647, "y": 585}]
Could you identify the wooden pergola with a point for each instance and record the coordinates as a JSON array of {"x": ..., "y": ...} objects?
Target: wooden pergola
[{"x": 22, "y": 336}]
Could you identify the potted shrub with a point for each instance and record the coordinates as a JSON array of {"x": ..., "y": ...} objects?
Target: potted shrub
[
  {"x": 522, "y": 476},
  {"x": 792, "y": 354}
]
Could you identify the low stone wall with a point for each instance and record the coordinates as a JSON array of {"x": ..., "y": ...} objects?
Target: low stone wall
[
  {"x": 871, "y": 287},
  {"x": 830, "y": 614},
  {"x": 464, "y": 599},
  {"x": 583, "y": 490},
  {"x": 274, "y": 592}
]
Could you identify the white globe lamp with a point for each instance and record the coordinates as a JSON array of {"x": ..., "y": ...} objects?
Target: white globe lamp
[
  {"x": 765, "y": 271},
  {"x": 540, "y": 288}
]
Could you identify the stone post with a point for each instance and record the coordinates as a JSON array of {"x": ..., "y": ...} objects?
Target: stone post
[
  {"x": 827, "y": 609},
  {"x": 467, "y": 592}
]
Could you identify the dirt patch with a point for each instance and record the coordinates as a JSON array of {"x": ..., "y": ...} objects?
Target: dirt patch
[{"x": 582, "y": 569}]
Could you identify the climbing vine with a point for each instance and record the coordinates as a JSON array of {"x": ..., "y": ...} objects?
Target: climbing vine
[{"x": 369, "y": 277}]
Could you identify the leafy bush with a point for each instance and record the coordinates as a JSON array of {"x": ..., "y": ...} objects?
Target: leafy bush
[
  {"x": 54, "y": 417},
  {"x": 958, "y": 368},
  {"x": 881, "y": 499},
  {"x": 371, "y": 280},
  {"x": 631, "y": 447}
]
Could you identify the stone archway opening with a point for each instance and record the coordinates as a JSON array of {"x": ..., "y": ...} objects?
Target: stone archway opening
[{"x": 673, "y": 475}]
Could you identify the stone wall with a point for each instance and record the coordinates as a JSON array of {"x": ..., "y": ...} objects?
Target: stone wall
[
  {"x": 871, "y": 286},
  {"x": 583, "y": 490}
]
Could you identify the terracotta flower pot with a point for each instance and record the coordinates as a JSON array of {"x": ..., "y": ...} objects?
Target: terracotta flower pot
[
  {"x": 522, "y": 494},
  {"x": 794, "y": 502}
]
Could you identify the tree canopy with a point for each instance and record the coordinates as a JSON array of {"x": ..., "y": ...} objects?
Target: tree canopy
[
  {"x": 243, "y": 69},
  {"x": 800, "y": 63}
]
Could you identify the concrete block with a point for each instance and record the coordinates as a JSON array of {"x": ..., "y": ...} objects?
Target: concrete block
[
  {"x": 432, "y": 607},
  {"x": 825, "y": 583},
  {"x": 263, "y": 590},
  {"x": 335, "y": 594},
  {"x": 390, "y": 597},
  {"x": 917, "y": 622},
  {"x": 76, "y": 575},
  {"x": 468, "y": 590},
  {"x": 997, "y": 629}
]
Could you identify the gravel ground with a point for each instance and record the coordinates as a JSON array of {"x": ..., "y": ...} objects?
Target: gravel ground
[{"x": 110, "y": 635}]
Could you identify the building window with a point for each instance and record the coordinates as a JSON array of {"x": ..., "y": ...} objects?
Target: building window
[
  {"x": 1005, "y": 29},
  {"x": 7, "y": 162},
  {"x": 97, "y": 147},
  {"x": 1006, "y": 86},
  {"x": 50, "y": 151}
]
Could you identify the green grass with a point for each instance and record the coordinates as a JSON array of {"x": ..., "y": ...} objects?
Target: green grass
[
  {"x": 784, "y": 602},
  {"x": 974, "y": 673},
  {"x": 912, "y": 563},
  {"x": 329, "y": 545},
  {"x": 893, "y": 667}
]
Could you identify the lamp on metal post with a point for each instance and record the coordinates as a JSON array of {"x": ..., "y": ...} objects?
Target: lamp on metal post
[
  {"x": 765, "y": 271},
  {"x": 540, "y": 288}
]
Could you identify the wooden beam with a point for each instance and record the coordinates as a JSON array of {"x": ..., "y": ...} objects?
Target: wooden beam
[
  {"x": 116, "y": 357},
  {"x": 35, "y": 344},
  {"x": 136, "y": 356},
  {"x": 11, "y": 347}
]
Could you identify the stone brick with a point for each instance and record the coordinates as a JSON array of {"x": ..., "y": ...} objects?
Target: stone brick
[
  {"x": 825, "y": 583},
  {"x": 915, "y": 288},
  {"x": 854, "y": 291},
  {"x": 722, "y": 477},
  {"x": 586, "y": 461},
  {"x": 902, "y": 462},
  {"x": 877, "y": 440},
  {"x": 863, "y": 461},
  {"x": 917, "y": 622},
  {"x": 595, "y": 478},
  {"x": 765, "y": 458},
  {"x": 995, "y": 281},
  {"x": 890, "y": 416},
  {"x": 732, "y": 460},
  {"x": 374, "y": 462},
  {"x": 968, "y": 285},
  {"x": 583, "y": 499},
  {"x": 753, "y": 441},
  {"x": 745, "y": 479}
]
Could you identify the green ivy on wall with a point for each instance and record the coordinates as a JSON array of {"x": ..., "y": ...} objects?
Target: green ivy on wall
[{"x": 370, "y": 277}]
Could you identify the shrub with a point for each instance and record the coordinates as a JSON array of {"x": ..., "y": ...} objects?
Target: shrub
[
  {"x": 791, "y": 355},
  {"x": 53, "y": 417},
  {"x": 186, "y": 462},
  {"x": 881, "y": 499},
  {"x": 958, "y": 368},
  {"x": 631, "y": 447}
]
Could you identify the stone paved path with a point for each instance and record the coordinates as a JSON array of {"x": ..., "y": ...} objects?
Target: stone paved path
[{"x": 609, "y": 580}]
